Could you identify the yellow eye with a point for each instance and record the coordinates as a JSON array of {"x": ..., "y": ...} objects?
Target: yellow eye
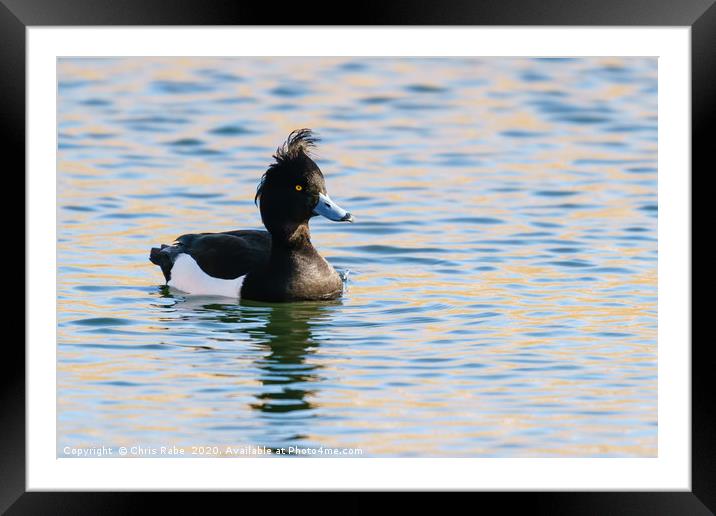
[{"x": 299, "y": 188}]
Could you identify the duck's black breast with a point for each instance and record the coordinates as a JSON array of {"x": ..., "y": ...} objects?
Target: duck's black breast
[
  {"x": 227, "y": 255},
  {"x": 295, "y": 276}
]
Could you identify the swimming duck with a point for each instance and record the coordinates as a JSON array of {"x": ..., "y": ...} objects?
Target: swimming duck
[{"x": 279, "y": 264}]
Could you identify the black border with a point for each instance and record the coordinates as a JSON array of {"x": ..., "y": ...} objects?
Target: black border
[{"x": 16, "y": 15}]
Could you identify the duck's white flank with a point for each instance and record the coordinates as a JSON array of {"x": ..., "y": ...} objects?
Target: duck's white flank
[{"x": 188, "y": 277}]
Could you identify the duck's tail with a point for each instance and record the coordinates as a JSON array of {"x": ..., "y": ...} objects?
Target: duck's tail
[{"x": 164, "y": 257}]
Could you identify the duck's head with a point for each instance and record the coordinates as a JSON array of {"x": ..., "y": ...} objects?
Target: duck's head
[{"x": 293, "y": 190}]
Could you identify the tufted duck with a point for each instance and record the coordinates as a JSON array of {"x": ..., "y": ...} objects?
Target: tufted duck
[{"x": 280, "y": 264}]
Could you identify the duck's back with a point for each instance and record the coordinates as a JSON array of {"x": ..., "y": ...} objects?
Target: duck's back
[{"x": 212, "y": 263}]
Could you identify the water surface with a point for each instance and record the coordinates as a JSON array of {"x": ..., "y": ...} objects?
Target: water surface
[{"x": 501, "y": 276}]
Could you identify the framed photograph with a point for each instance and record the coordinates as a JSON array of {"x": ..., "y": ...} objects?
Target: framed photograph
[{"x": 438, "y": 250}]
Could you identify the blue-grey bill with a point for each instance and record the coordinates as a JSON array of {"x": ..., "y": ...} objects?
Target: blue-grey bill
[{"x": 331, "y": 210}]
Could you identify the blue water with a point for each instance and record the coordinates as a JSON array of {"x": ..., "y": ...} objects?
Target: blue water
[{"x": 501, "y": 274}]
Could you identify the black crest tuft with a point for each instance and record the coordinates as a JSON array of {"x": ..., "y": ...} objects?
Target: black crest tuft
[{"x": 298, "y": 145}]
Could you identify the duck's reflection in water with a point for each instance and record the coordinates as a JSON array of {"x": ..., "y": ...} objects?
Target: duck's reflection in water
[
  {"x": 288, "y": 376},
  {"x": 285, "y": 331}
]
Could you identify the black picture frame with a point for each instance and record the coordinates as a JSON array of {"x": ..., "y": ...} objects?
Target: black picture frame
[{"x": 17, "y": 15}]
